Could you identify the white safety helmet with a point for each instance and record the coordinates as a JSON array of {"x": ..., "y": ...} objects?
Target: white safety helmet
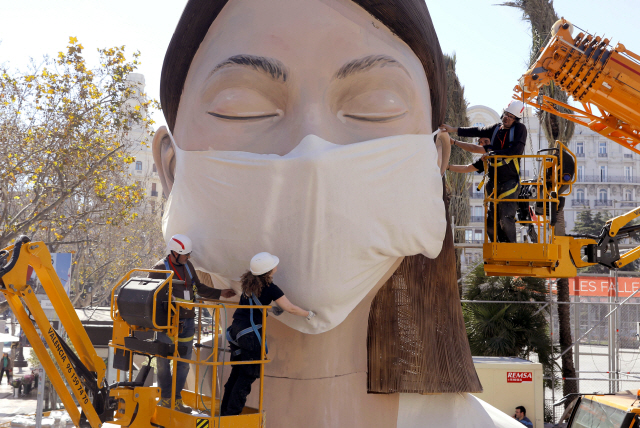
[
  {"x": 262, "y": 263},
  {"x": 516, "y": 108},
  {"x": 181, "y": 244}
]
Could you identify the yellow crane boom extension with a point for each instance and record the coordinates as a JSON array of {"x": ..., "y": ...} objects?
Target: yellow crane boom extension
[
  {"x": 91, "y": 370},
  {"x": 605, "y": 80}
]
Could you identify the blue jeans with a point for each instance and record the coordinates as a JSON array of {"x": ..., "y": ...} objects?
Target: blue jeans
[{"x": 185, "y": 341}]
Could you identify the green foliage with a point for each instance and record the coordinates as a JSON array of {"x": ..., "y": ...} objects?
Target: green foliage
[
  {"x": 66, "y": 132},
  {"x": 457, "y": 184},
  {"x": 541, "y": 15},
  {"x": 507, "y": 329},
  {"x": 589, "y": 224}
]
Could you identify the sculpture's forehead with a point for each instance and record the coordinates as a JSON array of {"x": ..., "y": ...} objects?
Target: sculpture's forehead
[{"x": 316, "y": 34}]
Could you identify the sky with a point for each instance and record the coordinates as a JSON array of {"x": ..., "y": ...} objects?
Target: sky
[{"x": 491, "y": 42}]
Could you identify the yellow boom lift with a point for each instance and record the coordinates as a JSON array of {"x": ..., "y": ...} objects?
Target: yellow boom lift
[
  {"x": 141, "y": 305},
  {"x": 605, "y": 81}
]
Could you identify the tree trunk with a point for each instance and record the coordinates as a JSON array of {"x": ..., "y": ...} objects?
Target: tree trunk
[{"x": 564, "y": 325}]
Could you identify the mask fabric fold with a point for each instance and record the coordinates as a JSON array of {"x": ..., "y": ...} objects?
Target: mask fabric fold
[{"x": 337, "y": 216}]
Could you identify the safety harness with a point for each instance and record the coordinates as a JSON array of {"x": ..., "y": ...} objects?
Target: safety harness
[
  {"x": 502, "y": 162},
  {"x": 252, "y": 301},
  {"x": 178, "y": 299}
]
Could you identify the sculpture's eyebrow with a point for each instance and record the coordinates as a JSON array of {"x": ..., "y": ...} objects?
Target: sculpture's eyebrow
[
  {"x": 366, "y": 63},
  {"x": 270, "y": 66}
]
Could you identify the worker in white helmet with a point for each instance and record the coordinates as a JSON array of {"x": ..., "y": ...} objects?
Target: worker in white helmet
[
  {"x": 245, "y": 334},
  {"x": 177, "y": 260},
  {"x": 507, "y": 139}
]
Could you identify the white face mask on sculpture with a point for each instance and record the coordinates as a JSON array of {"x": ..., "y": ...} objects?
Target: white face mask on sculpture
[{"x": 337, "y": 216}]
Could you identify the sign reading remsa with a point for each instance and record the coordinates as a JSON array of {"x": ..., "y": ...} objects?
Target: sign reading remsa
[
  {"x": 599, "y": 286},
  {"x": 519, "y": 377}
]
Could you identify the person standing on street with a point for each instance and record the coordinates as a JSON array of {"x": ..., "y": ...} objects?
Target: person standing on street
[
  {"x": 507, "y": 139},
  {"x": 6, "y": 365},
  {"x": 177, "y": 260}
]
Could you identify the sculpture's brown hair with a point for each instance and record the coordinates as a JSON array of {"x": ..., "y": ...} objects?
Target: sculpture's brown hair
[{"x": 417, "y": 339}]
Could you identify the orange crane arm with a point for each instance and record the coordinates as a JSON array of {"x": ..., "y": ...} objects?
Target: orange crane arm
[{"x": 605, "y": 80}]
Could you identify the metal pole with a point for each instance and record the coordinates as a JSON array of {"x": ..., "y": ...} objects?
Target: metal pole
[
  {"x": 616, "y": 333},
  {"x": 611, "y": 341},
  {"x": 40, "y": 402},
  {"x": 553, "y": 383},
  {"x": 576, "y": 329}
]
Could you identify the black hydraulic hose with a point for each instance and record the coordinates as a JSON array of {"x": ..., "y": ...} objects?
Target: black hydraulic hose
[
  {"x": 583, "y": 235},
  {"x": 17, "y": 247},
  {"x": 629, "y": 229}
]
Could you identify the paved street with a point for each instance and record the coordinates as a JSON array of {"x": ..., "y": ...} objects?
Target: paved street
[{"x": 11, "y": 407}]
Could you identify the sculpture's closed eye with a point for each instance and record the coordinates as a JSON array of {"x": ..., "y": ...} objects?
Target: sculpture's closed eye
[
  {"x": 242, "y": 104},
  {"x": 379, "y": 105}
]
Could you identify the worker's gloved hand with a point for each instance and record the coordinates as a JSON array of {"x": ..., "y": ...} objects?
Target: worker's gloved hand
[
  {"x": 276, "y": 310},
  {"x": 311, "y": 315},
  {"x": 228, "y": 293}
]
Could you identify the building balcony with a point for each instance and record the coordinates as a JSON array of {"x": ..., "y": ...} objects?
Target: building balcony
[
  {"x": 602, "y": 155},
  {"x": 477, "y": 219},
  {"x": 601, "y": 203},
  {"x": 628, "y": 155},
  {"x": 607, "y": 179},
  {"x": 476, "y": 195},
  {"x": 580, "y": 155},
  {"x": 580, "y": 203},
  {"x": 629, "y": 204},
  {"x": 154, "y": 193},
  {"x": 474, "y": 241}
]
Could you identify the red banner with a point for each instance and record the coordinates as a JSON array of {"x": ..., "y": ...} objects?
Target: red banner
[
  {"x": 602, "y": 286},
  {"x": 519, "y": 377}
]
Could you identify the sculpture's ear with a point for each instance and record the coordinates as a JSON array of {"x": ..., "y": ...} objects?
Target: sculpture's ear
[
  {"x": 443, "y": 145},
  {"x": 164, "y": 156}
]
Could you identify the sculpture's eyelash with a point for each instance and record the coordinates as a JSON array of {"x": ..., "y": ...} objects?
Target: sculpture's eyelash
[
  {"x": 222, "y": 116},
  {"x": 375, "y": 119}
]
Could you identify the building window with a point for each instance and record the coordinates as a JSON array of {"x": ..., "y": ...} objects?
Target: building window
[
  {"x": 155, "y": 169},
  {"x": 628, "y": 174},
  {"x": 468, "y": 236},
  {"x": 478, "y": 124},
  {"x": 628, "y": 195},
  {"x": 478, "y": 236},
  {"x": 580, "y": 149},
  {"x": 581, "y": 173},
  {"x": 602, "y": 195},
  {"x": 154, "y": 190},
  {"x": 602, "y": 149},
  {"x": 138, "y": 165},
  {"x": 603, "y": 174},
  {"x": 580, "y": 195}
]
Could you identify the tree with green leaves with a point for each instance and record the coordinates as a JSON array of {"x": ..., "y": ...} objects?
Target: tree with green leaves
[
  {"x": 67, "y": 134},
  {"x": 541, "y": 15},
  {"x": 507, "y": 329},
  {"x": 457, "y": 184}
]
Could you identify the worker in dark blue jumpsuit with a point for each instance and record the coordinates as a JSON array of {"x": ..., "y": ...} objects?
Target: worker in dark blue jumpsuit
[{"x": 507, "y": 138}]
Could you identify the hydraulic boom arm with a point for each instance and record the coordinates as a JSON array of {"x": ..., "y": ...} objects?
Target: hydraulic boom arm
[
  {"x": 605, "y": 80},
  {"x": 84, "y": 371}
]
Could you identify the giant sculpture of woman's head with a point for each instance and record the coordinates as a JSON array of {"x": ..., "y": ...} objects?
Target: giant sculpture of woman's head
[{"x": 305, "y": 128}]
